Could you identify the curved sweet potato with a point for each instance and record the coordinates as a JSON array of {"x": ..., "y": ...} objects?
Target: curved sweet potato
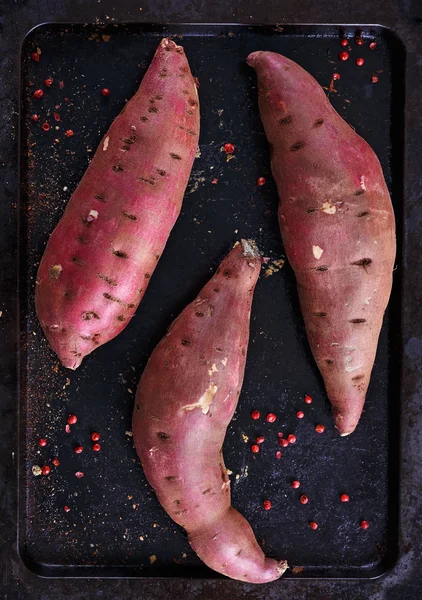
[
  {"x": 100, "y": 257},
  {"x": 185, "y": 399},
  {"x": 337, "y": 225}
]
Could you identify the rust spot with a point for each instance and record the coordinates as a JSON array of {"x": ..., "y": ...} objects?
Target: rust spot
[
  {"x": 286, "y": 120},
  {"x": 329, "y": 361},
  {"x": 147, "y": 275},
  {"x": 120, "y": 254},
  {"x": 130, "y": 217},
  {"x": 206, "y": 491},
  {"x": 78, "y": 261},
  {"x": 357, "y": 321},
  {"x": 87, "y": 316},
  {"x": 297, "y": 146}
]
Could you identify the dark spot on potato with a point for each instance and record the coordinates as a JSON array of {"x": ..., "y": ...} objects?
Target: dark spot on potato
[
  {"x": 206, "y": 491},
  {"x": 158, "y": 97},
  {"x": 322, "y": 268},
  {"x": 358, "y": 321},
  {"x": 286, "y": 120},
  {"x": 177, "y": 501},
  {"x": 365, "y": 213},
  {"x": 163, "y": 436},
  {"x": 130, "y": 140},
  {"x": 297, "y": 146},
  {"x": 363, "y": 262},
  {"x": 144, "y": 119},
  {"x": 357, "y": 377},
  {"x": 120, "y": 254},
  {"x": 153, "y": 109},
  {"x": 311, "y": 210},
  {"x": 129, "y": 216},
  {"x": 78, "y": 261},
  {"x": 185, "y": 343},
  {"x": 219, "y": 349},
  {"x": 239, "y": 552},
  {"x": 82, "y": 239},
  {"x": 319, "y": 314},
  {"x": 161, "y": 172},
  {"x": 170, "y": 477},
  {"x": 175, "y": 156},
  {"x": 216, "y": 290},
  {"x": 86, "y": 337},
  {"x": 87, "y": 316},
  {"x": 100, "y": 197},
  {"x": 199, "y": 314},
  {"x": 166, "y": 363},
  {"x": 108, "y": 280},
  {"x": 147, "y": 275},
  {"x": 318, "y": 122},
  {"x": 359, "y": 192},
  {"x": 117, "y": 168},
  {"x": 329, "y": 361},
  {"x": 121, "y": 318},
  {"x": 227, "y": 273},
  {"x": 191, "y": 132},
  {"x": 138, "y": 408},
  {"x": 54, "y": 272}
]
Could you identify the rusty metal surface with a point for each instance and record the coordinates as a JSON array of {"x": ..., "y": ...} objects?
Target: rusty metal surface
[{"x": 404, "y": 581}]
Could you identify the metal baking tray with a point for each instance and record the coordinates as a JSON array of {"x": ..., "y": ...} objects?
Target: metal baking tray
[{"x": 115, "y": 527}]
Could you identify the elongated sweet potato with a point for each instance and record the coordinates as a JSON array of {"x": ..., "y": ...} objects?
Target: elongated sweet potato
[
  {"x": 337, "y": 224},
  {"x": 185, "y": 399},
  {"x": 100, "y": 257}
]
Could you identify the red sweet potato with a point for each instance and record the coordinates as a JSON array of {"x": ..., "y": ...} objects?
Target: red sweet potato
[
  {"x": 337, "y": 224},
  {"x": 100, "y": 257},
  {"x": 185, "y": 399}
]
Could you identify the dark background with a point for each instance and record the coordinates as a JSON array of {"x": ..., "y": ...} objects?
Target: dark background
[{"x": 405, "y": 18}]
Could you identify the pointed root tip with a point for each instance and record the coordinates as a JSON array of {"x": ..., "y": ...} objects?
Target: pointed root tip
[
  {"x": 71, "y": 363},
  {"x": 168, "y": 44},
  {"x": 250, "y": 248},
  {"x": 253, "y": 58}
]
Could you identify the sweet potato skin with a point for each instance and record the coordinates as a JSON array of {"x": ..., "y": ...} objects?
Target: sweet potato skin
[
  {"x": 337, "y": 224},
  {"x": 100, "y": 257},
  {"x": 185, "y": 399}
]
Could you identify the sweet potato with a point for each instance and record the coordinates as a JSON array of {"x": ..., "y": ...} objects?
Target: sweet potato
[
  {"x": 185, "y": 399},
  {"x": 337, "y": 224},
  {"x": 100, "y": 257}
]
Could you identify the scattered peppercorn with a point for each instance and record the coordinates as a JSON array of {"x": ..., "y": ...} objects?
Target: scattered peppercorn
[
  {"x": 313, "y": 525},
  {"x": 35, "y": 56},
  {"x": 56, "y": 116},
  {"x": 283, "y": 443},
  {"x": 228, "y": 148},
  {"x": 48, "y": 82},
  {"x": 359, "y": 41},
  {"x": 61, "y": 84},
  {"x": 374, "y": 79},
  {"x": 66, "y": 508},
  {"x": 278, "y": 454},
  {"x": 319, "y": 428},
  {"x": 261, "y": 181},
  {"x": 79, "y": 474},
  {"x": 308, "y": 399},
  {"x": 69, "y": 133},
  {"x": 95, "y": 436},
  {"x": 255, "y": 414},
  {"x": 280, "y": 434},
  {"x": 291, "y": 438},
  {"x": 55, "y": 462},
  {"x": 267, "y": 504},
  {"x": 38, "y": 94},
  {"x": 35, "y": 118},
  {"x": 304, "y": 499},
  {"x": 45, "y": 126},
  {"x": 364, "y": 524},
  {"x": 300, "y": 414},
  {"x": 372, "y": 45},
  {"x": 255, "y": 448},
  {"x": 214, "y": 181},
  {"x": 343, "y": 55},
  {"x": 296, "y": 484},
  {"x": 359, "y": 62},
  {"x": 78, "y": 449},
  {"x": 96, "y": 447},
  {"x": 67, "y": 428},
  {"x": 105, "y": 92},
  {"x": 42, "y": 442},
  {"x": 336, "y": 76},
  {"x": 344, "y": 498},
  {"x": 271, "y": 417},
  {"x": 344, "y": 42},
  {"x": 72, "y": 419},
  {"x": 45, "y": 470},
  {"x": 260, "y": 439}
]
